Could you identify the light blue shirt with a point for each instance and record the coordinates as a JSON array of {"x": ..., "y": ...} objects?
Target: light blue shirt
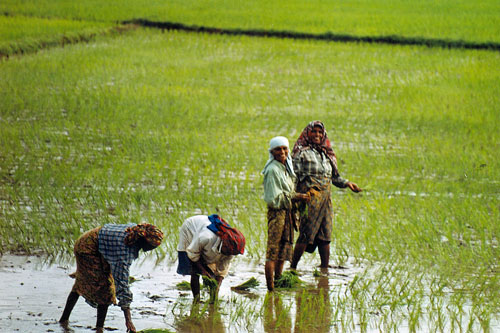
[{"x": 279, "y": 187}]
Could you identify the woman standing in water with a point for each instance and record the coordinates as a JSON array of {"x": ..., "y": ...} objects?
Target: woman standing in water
[
  {"x": 315, "y": 164},
  {"x": 279, "y": 194},
  {"x": 103, "y": 259}
]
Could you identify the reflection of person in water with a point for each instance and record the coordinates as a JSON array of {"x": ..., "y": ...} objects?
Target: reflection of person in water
[
  {"x": 276, "y": 316},
  {"x": 314, "y": 310},
  {"x": 201, "y": 319}
]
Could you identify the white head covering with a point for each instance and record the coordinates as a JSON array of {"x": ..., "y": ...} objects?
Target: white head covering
[{"x": 280, "y": 141}]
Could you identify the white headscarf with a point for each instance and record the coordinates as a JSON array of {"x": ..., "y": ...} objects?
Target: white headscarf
[{"x": 280, "y": 141}]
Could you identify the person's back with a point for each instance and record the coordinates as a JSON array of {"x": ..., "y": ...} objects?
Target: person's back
[
  {"x": 206, "y": 248},
  {"x": 191, "y": 227}
]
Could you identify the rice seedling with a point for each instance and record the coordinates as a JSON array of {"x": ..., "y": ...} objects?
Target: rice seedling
[
  {"x": 276, "y": 313},
  {"x": 102, "y": 133},
  {"x": 196, "y": 317},
  {"x": 288, "y": 280},
  {"x": 184, "y": 285},
  {"x": 21, "y": 34},
  {"x": 250, "y": 283},
  {"x": 444, "y": 19},
  {"x": 313, "y": 311},
  {"x": 211, "y": 285}
]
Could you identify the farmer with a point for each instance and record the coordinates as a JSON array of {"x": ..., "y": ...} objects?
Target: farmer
[
  {"x": 315, "y": 164},
  {"x": 279, "y": 194},
  {"x": 103, "y": 259},
  {"x": 206, "y": 246}
]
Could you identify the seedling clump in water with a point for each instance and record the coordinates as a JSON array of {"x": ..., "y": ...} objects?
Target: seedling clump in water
[
  {"x": 250, "y": 283},
  {"x": 288, "y": 280},
  {"x": 184, "y": 285},
  {"x": 211, "y": 284}
]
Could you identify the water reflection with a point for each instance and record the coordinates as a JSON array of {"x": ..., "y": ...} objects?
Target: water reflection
[
  {"x": 314, "y": 310},
  {"x": 203, "y": 318},
  {"x": 276, "y": 315}
]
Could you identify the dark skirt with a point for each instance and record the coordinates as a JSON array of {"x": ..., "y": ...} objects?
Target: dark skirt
[
  {"x": 93, "y": 275},
  {"x": 184, "y": 267},
  {"x": 316, "y": 219}
]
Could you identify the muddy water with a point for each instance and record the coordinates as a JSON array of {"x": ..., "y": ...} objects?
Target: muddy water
[{"x": 33, "y": 293}]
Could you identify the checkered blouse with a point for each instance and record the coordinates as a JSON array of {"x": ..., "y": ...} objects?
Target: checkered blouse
[{"x": 120, "y": 257}]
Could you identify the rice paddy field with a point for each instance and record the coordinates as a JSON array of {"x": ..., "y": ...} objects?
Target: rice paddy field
[{"x": 129, "y": 124}]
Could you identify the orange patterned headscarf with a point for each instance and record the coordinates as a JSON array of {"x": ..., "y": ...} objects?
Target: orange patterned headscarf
[{"x": 149, "y": 232}]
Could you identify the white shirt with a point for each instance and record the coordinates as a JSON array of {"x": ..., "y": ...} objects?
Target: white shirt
[{"x": 199, "y": 241}]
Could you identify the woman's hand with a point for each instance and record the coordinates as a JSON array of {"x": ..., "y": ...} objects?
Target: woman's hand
[
  {"x": 354, "y": 187},
  {"x": 203, "y": 269},
  {"x": 302, "y": 197},
  {"x": 313, "y": 191},
  {"x": 219, "y": 282},
  {"x": 207, "y": 273}
]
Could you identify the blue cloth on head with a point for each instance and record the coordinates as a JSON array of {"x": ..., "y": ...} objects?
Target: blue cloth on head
[{"x": 216, "y": 221}]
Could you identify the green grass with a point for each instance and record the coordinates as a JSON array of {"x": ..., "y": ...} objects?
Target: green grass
[
  {"x": 21, "y": 34},
  {"x": 160, "y": 126},
  {"x": 449, "y": 19},
  {"x": 123, "y": 138}
]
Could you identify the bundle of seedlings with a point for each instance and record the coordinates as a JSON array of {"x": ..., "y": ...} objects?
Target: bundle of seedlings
[
  {"x": 184, "y": 285},
  {"x": 288, "y": 280},
  {"x": 211, "y": 284},
  {"x": 250, "y": 283}
]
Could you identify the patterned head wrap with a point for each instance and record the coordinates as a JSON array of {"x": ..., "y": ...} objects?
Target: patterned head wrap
[
  {"x": 149, "y": 232},
  {"x": 232, "y": 240},
  {"x": 325, "y": 146}
]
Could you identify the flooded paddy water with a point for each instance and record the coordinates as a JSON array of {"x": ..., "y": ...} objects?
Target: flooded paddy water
[{"x": 34, "y": 292}]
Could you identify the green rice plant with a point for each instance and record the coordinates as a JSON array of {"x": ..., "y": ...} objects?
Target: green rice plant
[
  {"x": 448, "y": 19},
  {"x": 201, "y": 317},
  {"x": 313, "y": 310},
  {"x": 184, "y": 285},
  {"x": 104, "y": 133},
  {"x": 211, "y": 285},
  {"x": 250, "y": 283},
  {"x": 22, "y": 34},
  {"x": 243, "y": 314},
  {"x": 288, "y": 280}
]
